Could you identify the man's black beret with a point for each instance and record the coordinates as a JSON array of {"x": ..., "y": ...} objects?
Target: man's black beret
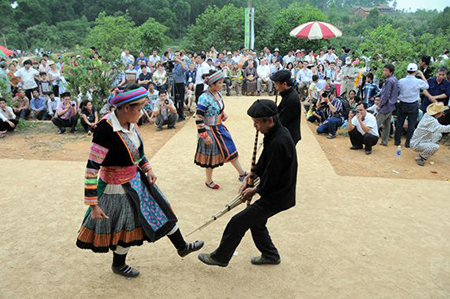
[
  {"x": 263, "y": 108},
  {"x": 281, "y": 76}
]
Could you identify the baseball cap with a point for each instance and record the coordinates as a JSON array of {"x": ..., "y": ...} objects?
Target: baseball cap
[{"x": 412, "y": 67}]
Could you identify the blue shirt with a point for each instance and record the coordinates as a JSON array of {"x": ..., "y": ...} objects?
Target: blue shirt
[
  {"x": 179, "y": 74},
  {"x": 436, "y": 89},
  {"x": 190, "y": 76},
  {"x": 37, "y": 104},
  {"x": 389, "y": 95},
  {"x": 139, "y": 60},
  {"x": 409, "y": 88}
]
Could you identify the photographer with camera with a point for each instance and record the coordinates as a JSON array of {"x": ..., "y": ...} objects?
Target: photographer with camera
[
  {"x": 333, "y": 114},
  {"x": 362, "y": 129},
  {"x": 66, "y": 114},
  {"x": 165, "y": 112},
  {"x": 179, "y": 77}
]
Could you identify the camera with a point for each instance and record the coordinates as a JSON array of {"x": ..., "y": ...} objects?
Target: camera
[
  {"x": 169, "y": 65},
  {"x": 166, "y": 102},
  {"x": 73, "y": 105}
]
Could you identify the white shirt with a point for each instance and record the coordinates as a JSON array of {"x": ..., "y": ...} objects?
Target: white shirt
[
  {"x": 154, "y": 59},
  {"x": 236, "y": 59},
  {"x": 409, "y": 88},
  {"x": 310, "y": 59},
  {"x": 201, "y": 69},
  {"x": 4, "y": 115},
  {"x": 288, "y": 59},
  {"x": 27, "y": 77},
  {"x": 369, "y": 121},
  {"x": 56, "y": 75},
  {"x": 305, "y": 75},
  {"x": 263, "y": 72},
  {"x": 330, "y": 57},
  {"x": 132, "y": 133},
  {"x": 53, "y": 105}
]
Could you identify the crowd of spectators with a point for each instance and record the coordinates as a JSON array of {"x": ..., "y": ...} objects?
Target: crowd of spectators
[{"x": 337, "y": 91}]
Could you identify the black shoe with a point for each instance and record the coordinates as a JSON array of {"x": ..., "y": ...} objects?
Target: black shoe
[
  {"x": 331, "y": 136},
  {"x": 125, "y": 271},
  {"x": 191, "y": 247},
  {"x": 261, "y": 260},
  {"x": 207, "y": 259},
  {"x": 354, "y": 148},
  {"x": 62, "y": 131},
  {"x": 397, "y": 143},
  {"x": 368, "y": 152},
  {"x": 181, "y": 119},
  {"x": 73, "y": 131},
  {"x": 383, "y": 144},
  {"x": 407, "y": 145}
]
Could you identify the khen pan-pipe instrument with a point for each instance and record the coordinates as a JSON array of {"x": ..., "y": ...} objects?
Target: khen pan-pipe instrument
[{"x": 238, "y": 199}]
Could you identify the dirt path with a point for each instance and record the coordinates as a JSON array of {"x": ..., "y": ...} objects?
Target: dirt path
[{"x": 347, "y": 237}]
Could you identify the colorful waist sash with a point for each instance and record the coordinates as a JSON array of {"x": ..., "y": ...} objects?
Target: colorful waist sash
[
  {"x": 213, "y": 120},
  {"x": 118, "y": 175}
]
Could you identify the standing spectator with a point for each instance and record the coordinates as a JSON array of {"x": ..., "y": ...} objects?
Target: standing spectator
[
  {"x": 202, "y": 69},
  {"x": 154, "y": 58},
  {"x": 409, "y": 88},
  {"x": 424, "y": 62},
  {"x": 165, "y": 112},
  {"x": 263, "y": 71},
  {"x": 179, "y": 76},
  {"x": 66, "y": 114},
  {"x": 321, "y": 57},
  {"x": 334, "y": 116},
  {"x": 43, "y": 67},
  {"x": 428, "y": 133},
  {"x": 145, "y": 77},
  {"x": 13, "y": 80},
  {"x": 55, "y": 77},
  {"x": 8, "y": 121},
  {"x": 89, "y": 117},
  {"x": 141, "y": 58},
  {"x": 389, "y": 95},
  {"x": 438, "y": 90},
  {"x": 331, "y": 72},
  {"x": 330, "y": 56},
  {"x": 44, "y": 86},
  {"x": 21, "y": 105},
  {"x": 52, "y": 104},
  {"x": 362, "y": 129},
  {"x": 28, "y": 77},
  {"x": 370, "y": 90},
  {"x": 226, "y": 76},
  {"x": 348, "y": 74},
  {"x": 37, "y": 105}
]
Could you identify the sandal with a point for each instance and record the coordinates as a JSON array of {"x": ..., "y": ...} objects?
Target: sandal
[
  {"x": 212, "y": 185},
  {"x": 420, "y": 161},
  {"x": 242, "y": 177}
]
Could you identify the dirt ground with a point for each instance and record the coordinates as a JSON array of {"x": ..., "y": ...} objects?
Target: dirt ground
[{"x": 350, "y": 236}]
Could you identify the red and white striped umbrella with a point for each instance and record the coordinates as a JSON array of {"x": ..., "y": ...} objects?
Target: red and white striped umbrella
[{"x": 316, "y": 30}]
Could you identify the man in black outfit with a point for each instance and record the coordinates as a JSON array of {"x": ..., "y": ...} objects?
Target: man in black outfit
[
  {"x": 289, "y": 108},
  {"x": 277, "y": 170}
]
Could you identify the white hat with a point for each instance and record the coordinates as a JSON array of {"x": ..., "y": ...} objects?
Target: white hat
[
  {"x": 412, "y": 67},
  {"x": 276, "y": 50},
  {"x": 348, "y": 60}
]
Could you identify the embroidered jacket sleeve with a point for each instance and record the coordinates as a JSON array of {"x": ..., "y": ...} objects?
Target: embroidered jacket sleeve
[
  {"x": 97, "y": 154},
  {"x": 145, "y": 164},
  {"x": 202, "y": 108}
]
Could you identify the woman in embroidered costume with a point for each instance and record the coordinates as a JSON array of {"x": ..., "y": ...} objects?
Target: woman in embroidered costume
[
  {"x": 126, "y": 207},
  {"x": 215, "y": 145}
]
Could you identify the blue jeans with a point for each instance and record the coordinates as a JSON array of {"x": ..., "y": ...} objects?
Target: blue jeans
[{"x": 330, "y": 126}]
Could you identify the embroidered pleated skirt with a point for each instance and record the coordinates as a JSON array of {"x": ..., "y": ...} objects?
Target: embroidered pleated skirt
[
  {"x": 137, "y": 212},
  {"x": 221, "y": 150}
]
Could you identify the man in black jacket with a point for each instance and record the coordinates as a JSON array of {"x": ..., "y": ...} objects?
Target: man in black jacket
[
  {"x": 277, "y": 171},
  {"x": 289, "y": 108}
]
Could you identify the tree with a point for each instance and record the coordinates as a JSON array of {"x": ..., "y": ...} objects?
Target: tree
[
  {"x": 442, "y": 20},
  {"x": 111, "y": 35},
  {"x": 221, "y": 27},
  {"x": 294, "y": 15},
  {"x": 388, "y": 45},
  {"x": 150, "y": 36}
]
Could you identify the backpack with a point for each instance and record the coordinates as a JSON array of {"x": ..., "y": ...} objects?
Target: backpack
[{"x": 345, "y": 107}]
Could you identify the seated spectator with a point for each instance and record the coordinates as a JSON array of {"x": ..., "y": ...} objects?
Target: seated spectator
[
  {"x": 66, "y": 114},
  {"x": 317, "y": 112},
  {"x": 304, "y": 77},
  {"x": 236, "y": 77},
  {"x": 145, "y": 77},
  {"x": 362, "y": 129},
  {"x": 426, "y": 137},
  {"x": 21, "y": 105},
  {"x": 263, "y": 71},
  {"x": 130, "y": 75},
  {"x": 8, "y": 121},
  {"x": 313, "y": 91},
  {"x": 52, "y": 104},
  {"x": 191, "y": 74},
  {"x": 160, "y": 77},
  {"x": 334, "y": 118},
  {"x": 370, "y": 90},
  {"x": 375, "y": 108},
  {"x": 89, "y": 117},
  {"x": 250, "y": 78},
  {"x": 165, "y": 112},
  {"x": 141, "y": 59},
  {"x": 38, "y": 106}
]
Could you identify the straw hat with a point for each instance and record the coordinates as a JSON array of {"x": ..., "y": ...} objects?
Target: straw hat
[{"x": 436, "y": 108}]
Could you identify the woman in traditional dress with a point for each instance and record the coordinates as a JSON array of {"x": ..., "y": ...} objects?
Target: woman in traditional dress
[
  {"x": 215, "y": 145},
  {"x": 126, "y": 207}
]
